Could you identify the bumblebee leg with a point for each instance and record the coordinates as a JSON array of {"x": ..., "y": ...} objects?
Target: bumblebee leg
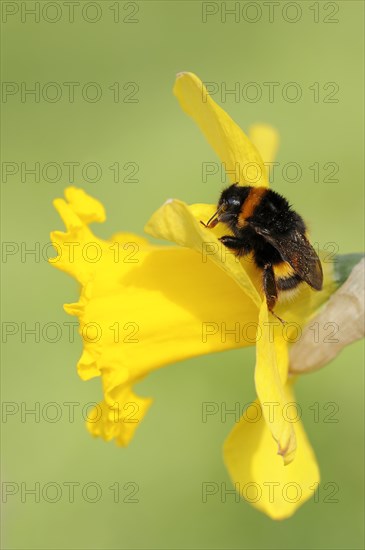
[
  {"x": 234, "y": 243},
  {"x": 270, "y": 290}
]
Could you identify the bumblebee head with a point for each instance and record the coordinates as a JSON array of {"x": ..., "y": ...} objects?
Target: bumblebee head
[
  {"x": 231, "y": 201},
  {"x": 229, "y": 205}
]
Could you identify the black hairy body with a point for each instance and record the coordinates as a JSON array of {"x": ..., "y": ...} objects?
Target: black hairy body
[{"x": 264, "y": 224}]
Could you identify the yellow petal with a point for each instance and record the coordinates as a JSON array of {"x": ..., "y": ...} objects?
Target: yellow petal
[
  {"x": 120, "y": 419},
  {"x": 271, "y": 372},
  {"x": 180, "y": 223},
  {"x": 240, "y": 157},
  {"x": 266, "y": 140},
  {"x": 259, "y": 475}
]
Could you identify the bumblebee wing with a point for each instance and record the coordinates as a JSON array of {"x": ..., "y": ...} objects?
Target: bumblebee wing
[{"x": 295, "y": 249}]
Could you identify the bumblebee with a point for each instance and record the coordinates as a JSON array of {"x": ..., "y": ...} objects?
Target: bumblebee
[{"x": 264, "y": 224}]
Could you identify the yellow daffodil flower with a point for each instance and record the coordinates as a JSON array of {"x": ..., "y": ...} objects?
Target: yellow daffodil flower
[{"x": 144, "y": 306}]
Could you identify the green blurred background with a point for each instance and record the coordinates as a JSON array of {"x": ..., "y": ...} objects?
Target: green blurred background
[{"x": 173, "y": 452}]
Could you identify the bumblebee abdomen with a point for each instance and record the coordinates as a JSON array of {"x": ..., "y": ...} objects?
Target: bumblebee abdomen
[
  {"x": 283, "y": 270},
  {"x": 285, "y": 276},
  {"x": 288, "y": 283},
  {"x": 288, "y": 287}
]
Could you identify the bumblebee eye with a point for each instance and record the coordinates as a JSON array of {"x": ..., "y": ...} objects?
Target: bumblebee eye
[{"x": 234, "y": 201}]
